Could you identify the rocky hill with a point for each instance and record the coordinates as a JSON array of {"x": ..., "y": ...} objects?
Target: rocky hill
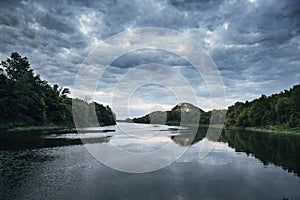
[{"x": 181, "y": 113}]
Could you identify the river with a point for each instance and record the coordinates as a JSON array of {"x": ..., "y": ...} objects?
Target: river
[{"x": 240, "y": 165}]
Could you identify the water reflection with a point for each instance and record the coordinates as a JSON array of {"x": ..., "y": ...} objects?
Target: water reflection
[
  {"x": 69, "y": 171},
  {"x": 37, "y": 139},
  {"x": 278, "y": 149},
  {"x": 281, "y": 150},
  {"x": 186, "y": 137}
]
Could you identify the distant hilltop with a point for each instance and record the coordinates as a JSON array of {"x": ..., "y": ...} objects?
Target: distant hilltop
[
  {"x": 186, "y": 107},
  {"x": 187, "y": 112}
]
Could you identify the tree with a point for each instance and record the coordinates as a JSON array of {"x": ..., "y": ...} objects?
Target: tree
[
  {"x": 293, "y": 121},
  {"x": 277, "y": 109},
  {"x": 282, "y": 108},
  {"x": 16, "y": 67},
  {"x": 28, "y": 100},
  {"x": 27, "y": 105}
]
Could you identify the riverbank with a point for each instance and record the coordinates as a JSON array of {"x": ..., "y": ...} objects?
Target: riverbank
[
  {"x": 50, "y": 129},
  {"x": 277, "y": 129},
  {"x": 43, "y": 129}
]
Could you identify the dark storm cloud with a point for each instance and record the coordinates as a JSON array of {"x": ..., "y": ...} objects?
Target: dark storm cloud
[
  {"x": 255, "y": 43},
  {"x": 195, "y": 5},
  {"x": 145, "y": 56},
  {"x": 47, "y": 34}
]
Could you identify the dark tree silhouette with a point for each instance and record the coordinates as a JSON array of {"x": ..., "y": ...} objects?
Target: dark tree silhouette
[{"x": 27, "y": 100}]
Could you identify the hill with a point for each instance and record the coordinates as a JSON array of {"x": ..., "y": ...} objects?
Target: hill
[{"x": 183, "y": 111}]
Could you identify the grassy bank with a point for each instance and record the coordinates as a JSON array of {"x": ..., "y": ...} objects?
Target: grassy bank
[
  {"x": 52, "y": 129},
  {"x": 275, "y": 129},
  {"x": 278, "y": 129},
  {"x": 44, "y": 129}
]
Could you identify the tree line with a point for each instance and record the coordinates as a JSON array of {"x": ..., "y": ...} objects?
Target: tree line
[
  {"x": 27, "y": 100},
  {"x": 278, "y": 109},
  {"x": 281, "y": 110}
]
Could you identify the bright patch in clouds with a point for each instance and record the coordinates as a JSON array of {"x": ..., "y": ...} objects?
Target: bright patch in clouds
[
  {"x": 86, "y": 22},
  {"x": 225, "y": 25},
  {"x": 252, "y": 1}
]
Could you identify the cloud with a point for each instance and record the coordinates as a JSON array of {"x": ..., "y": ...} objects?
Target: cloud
[{"x": 255, "y": 44}]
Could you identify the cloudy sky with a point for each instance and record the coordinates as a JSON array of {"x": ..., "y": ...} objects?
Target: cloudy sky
[{"x": 255, "y": 45}]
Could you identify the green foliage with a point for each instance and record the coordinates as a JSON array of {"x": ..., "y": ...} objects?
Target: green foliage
[
  {"x": 144, "y": 120},
  {"x": 104, "y": 115},
  {"x": 277, "y": 109},
  {"x": 26, "y": 100},
  {"x": 22, "y": 103}
]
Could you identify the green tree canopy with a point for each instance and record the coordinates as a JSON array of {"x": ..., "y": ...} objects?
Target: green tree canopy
[{"x": 28, "y": 100}]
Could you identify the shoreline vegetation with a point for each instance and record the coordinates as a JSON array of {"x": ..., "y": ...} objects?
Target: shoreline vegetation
[
  {"x": 31, "y": 104},
  {"x": 27, "y": 102},
  {"x": 68, "y": 129},
  {"x": 278, "y": 113},
  {"x": 271, "y": 129}
]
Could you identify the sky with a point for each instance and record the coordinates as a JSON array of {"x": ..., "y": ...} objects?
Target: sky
[{"x": 255, "y": 45}]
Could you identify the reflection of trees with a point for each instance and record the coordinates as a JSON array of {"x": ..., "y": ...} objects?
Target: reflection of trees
[
  {"x": 22, "y": 140},
  {"x": 187, "y": 137},
  {"x": 281, "y": 150}
]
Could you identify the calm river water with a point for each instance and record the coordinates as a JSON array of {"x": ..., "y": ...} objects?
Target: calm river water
[{"x": 241, "y": 165}]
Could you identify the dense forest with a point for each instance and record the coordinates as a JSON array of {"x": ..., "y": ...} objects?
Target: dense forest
[
  {"x": 278, "y": 109},
  {"x": 281, "y": 110},
  {"x": 27, "y": 100}
]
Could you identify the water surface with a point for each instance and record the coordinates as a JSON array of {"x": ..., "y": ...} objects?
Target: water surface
[{"x": 242, "y": 165}]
